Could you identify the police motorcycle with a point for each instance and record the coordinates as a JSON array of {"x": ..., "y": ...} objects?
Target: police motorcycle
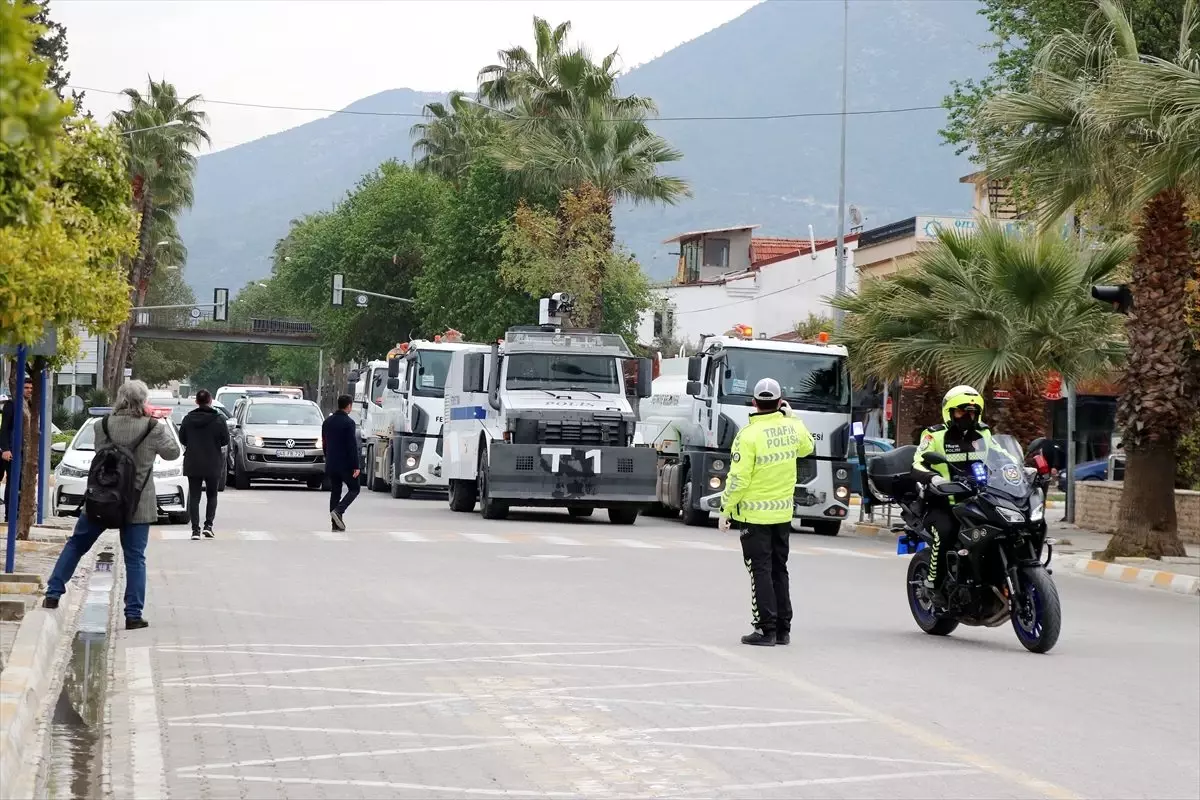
[{"x": 999, "y": 569}]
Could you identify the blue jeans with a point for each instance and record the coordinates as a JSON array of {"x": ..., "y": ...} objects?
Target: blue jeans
[{"x": 133, "y": 541}]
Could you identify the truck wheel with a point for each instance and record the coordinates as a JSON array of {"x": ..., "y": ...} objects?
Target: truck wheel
[
  {"x": 579, "y": 511},
  {"x": 823, "y": 528},
  {"x": 462, "y": 496},
  {"x": 402, "y": 492},
  {"x": 692, "y": 517},
  {"x": 362, "y": 473},
  {"x": 622, "y": 516},
  {"x": 377, "y": 484},
  {"x": 488, "y": 508}
]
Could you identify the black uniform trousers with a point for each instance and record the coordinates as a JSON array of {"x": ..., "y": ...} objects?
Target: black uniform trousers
[
  {"x": 765, "y": 551},
  {"x": 943, "y": 525}
]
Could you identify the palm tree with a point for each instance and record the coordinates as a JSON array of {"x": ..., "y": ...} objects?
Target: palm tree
[
  {"x": 162, "y": 131},
  {"x": 991, "y": 310},
  {"x": 1104, "y": 127},
  {"x": 453, "y": 136}
]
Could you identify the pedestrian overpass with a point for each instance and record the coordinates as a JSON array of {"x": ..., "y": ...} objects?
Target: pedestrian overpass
[{"x": 197, "y": 325}]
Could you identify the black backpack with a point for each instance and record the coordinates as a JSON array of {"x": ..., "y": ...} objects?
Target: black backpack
[{"x": 111, "y": 498}]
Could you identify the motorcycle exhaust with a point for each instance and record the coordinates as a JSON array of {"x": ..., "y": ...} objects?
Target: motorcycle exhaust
[{"x": 1002, "y": 616}]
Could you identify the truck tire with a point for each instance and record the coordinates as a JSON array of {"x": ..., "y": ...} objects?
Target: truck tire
[
  {"x": 488, "y": 508},
  {"x": 823, "y": 528},
  {"x": 622, "y": 516},
  {"x": 377, "y": 484},
  {"x": 462, "y": 496},
  {"x": 580, "y": 511},
  {"x": 402, "y": 492},
  {"x": 362, "y": 473},
  {"x": 692, "y": 517}
]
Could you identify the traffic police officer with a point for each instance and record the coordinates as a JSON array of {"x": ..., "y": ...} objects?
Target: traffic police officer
[
  {"x": 758, "y": 500},
  {"x": 962, "y": 438}
]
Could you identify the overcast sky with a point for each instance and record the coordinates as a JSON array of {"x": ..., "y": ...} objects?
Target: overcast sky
[{"x": 329, "y": 53}]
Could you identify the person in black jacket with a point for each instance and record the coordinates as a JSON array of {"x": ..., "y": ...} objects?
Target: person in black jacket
[
  {"x": 204, "y": 436},
  {"x": 339, "y": 439},
  {"x": 7, "y": 417}
]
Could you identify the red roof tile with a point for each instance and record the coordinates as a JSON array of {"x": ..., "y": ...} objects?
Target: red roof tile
[{"x": 766, "y": 248}]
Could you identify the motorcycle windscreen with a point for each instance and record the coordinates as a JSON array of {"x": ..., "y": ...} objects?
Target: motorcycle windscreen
[{"x": 1001, "y": 472}]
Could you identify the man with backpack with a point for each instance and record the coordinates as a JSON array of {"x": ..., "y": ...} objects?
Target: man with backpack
[{"x": 120, "y": 494}]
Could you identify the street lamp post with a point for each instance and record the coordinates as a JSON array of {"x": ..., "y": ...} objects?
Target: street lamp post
[{"x": 840, "y": 277}]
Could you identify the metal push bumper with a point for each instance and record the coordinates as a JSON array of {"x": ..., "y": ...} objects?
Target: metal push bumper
[{"x": 559, "y": 475}]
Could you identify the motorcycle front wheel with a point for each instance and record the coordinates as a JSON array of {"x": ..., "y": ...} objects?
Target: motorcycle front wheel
[
  {"x": 1037, "y": 612},
  {"x": 925, "y": 615}
]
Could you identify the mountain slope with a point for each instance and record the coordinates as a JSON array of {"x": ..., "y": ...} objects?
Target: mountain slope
[{"x": 777, "y": 58}]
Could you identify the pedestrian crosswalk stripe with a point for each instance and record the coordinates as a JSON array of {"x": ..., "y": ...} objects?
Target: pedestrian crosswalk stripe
[
  {"x": 257, "y": 536},
  {"x": 406, "y": 536},
  {"x": 332, "y": 536},
  {"x": 565, "y": 541},
  {"x": 484, "y": 538},
  {"x": 838, "y": 551},
  {"x": 169, "y": 534},
  {"x": 635, "y": 543},
  {"x": 703, "y": 545}
]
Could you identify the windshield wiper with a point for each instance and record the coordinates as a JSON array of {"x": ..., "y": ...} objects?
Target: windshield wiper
[{"x": 581, "y": 389}]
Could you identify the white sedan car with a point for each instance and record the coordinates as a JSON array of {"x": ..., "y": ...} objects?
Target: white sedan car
[{"x": 170, "y": 487}]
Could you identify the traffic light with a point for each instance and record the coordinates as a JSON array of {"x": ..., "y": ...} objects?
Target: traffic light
[{"x": 1119, "y": 297}]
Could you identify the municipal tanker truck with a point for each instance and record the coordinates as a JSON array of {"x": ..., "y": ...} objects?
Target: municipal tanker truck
[
  {"x": 698, "y": 404},
  {"x": 543, "y": 418}
]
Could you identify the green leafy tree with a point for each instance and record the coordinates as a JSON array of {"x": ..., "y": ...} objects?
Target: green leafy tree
[
  {"x": 990, "y": 310},
  {"x": 453, "y": 136},
  {"x": 460, "y": 286},
  {"x": 162, "y": 133},
  {"x": 1020, "y": 29},
  {"x": 158, "y": 362},
  {"x": 1104, "y": 123},
  {"x": 51, "y": 47}
]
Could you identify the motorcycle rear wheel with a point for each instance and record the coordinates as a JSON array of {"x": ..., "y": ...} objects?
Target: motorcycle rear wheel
[
  {"x": 924, "y": 614},
  {"x": 1037, "y": 615}
]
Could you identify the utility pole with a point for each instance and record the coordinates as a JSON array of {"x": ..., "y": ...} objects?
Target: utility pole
[{"x": 840, "y": 280}]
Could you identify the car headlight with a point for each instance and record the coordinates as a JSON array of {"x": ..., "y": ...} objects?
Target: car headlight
[
  {"x": 71, "y": 472},
  {"x": 841, "y": 493},
  {"x": 1037, "y": 507},
  {"x": 413, "y": 447},
  {"x": 714, "y": 482},
  {"x": 1015, "y": 517},
  {"x": 256, "y": 441},
  {"x": 718, "y": 464},
  {"x": 169, "y": 472},
  {"x": 841, "y": 474},
  {"x": 410, "y": 462}
]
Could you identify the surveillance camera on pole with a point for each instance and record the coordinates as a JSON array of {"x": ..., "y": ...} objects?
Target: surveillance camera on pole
[{"x": 1119, "y": 297}]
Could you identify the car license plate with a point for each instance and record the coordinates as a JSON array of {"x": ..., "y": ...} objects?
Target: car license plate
[{"x": 289, "y": 454}]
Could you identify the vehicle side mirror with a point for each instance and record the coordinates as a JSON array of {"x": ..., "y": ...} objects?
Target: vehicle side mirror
[
  {"x": 353, "y": 376},
  {"x": 645, "y": 376},
  {"x": 695, "y": 368},
  {"x": 473, "y": 372},
  {"x": 394, "y": 367},
  {"x": 59, "y": 447},
  {"x": 693, "y": 388},
  {"x": 1036, "y": 446},
  {"x": 394, "y": 384}
]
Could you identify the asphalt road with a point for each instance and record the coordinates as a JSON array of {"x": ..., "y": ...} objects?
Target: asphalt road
[{"x": 432, "y": 654}]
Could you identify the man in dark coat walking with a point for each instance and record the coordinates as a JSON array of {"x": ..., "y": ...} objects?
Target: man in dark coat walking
[
  {"x": 339, "y": 438},
  {"x": 8, "y": 414},
  {"x": 204, "y": 435}
]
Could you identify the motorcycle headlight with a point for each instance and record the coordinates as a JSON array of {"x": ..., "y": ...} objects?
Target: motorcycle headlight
[
  {"x": 1037, "y": 507},
  {"x": 1015, "y": 517}
]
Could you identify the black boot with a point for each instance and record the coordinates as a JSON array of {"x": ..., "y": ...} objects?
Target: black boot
[
  {"x": 783, "y": 637},
  {"x": 760, "y": 638}
]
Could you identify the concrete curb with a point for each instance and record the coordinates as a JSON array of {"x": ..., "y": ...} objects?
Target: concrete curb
[
  {"x": 866, "y": 529},
  {"x": 1154, "y": 578},
  {"x": 33, "y": 670}
]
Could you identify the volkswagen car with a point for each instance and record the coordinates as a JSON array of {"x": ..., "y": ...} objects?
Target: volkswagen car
[
  {"x": 70, "y": 476},
  {"x": 277, "y": 438}
]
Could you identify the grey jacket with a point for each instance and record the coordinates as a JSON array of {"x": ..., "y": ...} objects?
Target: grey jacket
[{"x": 126, "y": 430}]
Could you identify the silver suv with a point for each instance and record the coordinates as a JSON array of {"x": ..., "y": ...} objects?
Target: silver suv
[{"x": 276, "y": 437}]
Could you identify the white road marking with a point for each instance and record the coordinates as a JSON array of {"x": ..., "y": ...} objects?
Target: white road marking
[
  {"x": 808, "y": 754},
  {"x": 332, "y": 536},
  {"x": 628, "y": 667},
  {"x": 257, "y": 536},
  {"x": 704, "y": 706},
  {"x": 705, "y": 546},
  {"x": 485, "y": 538},
  {"x": 307, "y": 709},
  {"x": 738, "y": 726},
  {"x": 636, "y": 543},
  {"x": 417, "y": 787},
  {"x": 355, "y": 731},
  {"x": 330, "y": 690},
  {"x": 655, "y": 685},
  {"x": 395, "y": 751},
  {"x": 149, "y": 775},
  {"x": 659, "y": 645},
  {"x": 565, "y": 541},
  {"x": 837, "y": 551},
  {"x": 886, "y": 776},
  {"x": 406, "y": 536},
  {"x": 174, "y": 534}
]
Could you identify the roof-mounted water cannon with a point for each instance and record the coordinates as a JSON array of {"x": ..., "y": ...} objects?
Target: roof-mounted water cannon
[{"x": 552, "y": 309}]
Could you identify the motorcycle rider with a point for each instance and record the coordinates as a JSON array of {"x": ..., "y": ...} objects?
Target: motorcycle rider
[{"x": 961, "y": 438}]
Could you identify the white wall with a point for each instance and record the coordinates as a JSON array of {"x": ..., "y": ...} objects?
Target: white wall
[{"x": 771, "y": 299}]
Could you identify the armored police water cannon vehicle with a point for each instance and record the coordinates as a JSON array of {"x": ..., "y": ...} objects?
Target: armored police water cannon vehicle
[
  {"x": 698, "y": 404},
  {"x": 402, "y": 402},
  {"x": 543, "y": 419}
]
